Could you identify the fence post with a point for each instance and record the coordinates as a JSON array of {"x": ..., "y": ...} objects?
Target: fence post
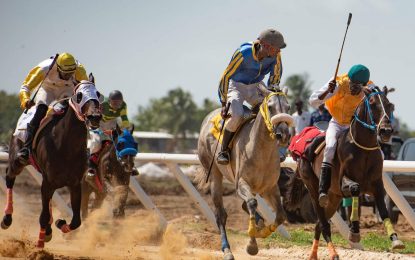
[
  {"x": 193, "y": 193},
  {"x": 148, "y": 204}
]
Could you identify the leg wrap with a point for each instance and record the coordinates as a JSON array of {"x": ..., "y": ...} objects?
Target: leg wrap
[
  {"x": 9, "y": 202},
  {"x": 355, "y": 209},
  {"x": 388, "y": 226}
]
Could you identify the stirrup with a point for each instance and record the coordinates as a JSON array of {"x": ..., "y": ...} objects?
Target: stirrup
[
  {"x": 323, "y": 200},
  {"x": 223, "y": 157}
]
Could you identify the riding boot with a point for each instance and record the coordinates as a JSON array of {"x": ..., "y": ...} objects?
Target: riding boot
[
  {"x": 92, "y": 170},
  {"x": 224, "y": 155},
  {"x": 324, "y": 185},
  {"x": 32, "y": 127}
]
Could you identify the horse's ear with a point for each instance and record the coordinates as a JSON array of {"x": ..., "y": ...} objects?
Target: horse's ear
[
  {"x": 132, "y": 129},
  {"x": 387, "y": 90},
  {"x": 118, "y": 129},
  {"x": 91, "y": 78},
  {"x": 78, "y": 97},
  {"x": 285, "y": 90}
]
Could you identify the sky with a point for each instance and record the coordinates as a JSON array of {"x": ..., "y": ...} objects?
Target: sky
[{"x": 145, "y": 48}]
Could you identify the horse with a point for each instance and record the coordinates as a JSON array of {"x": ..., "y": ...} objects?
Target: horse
[
  {"x": 115, "y": 165},
  {"x": 60, "y": 154},
  {"x": 357, "y": 169},
  {"x": 254, "y": 167}
]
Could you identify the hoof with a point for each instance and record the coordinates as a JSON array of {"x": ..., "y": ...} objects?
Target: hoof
[
  {"x": 227, "y": 254},
  {"x": 48, "y": 234},
  {"x": 397, "y": 244},
  {"x": 60, "y": 222},
  {"x": 354, "y": 237},
  {"x": 252, "y": 248},
  {"x": 40, "y": 244},
  {"x": 7, "y": 221}
]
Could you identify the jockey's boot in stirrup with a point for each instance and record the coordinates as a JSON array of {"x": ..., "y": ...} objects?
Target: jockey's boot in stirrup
[
  {"x": 324, "y": 185},
  {"x": 224, "y": 155},
  {"x": 90, "y": 175},
  {"x": 32, "y": 127}
]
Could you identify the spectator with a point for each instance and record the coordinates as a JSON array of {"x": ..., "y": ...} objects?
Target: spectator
[
  {"x": 301, "y": 118},
  {"x": 320, "y": 114}
]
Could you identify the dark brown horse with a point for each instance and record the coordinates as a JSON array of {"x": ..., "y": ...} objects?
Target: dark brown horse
[
  {"x": 115, "y": 166},
  {"x": 357, "y": 169},
  {"x": 60, "y": 154}
]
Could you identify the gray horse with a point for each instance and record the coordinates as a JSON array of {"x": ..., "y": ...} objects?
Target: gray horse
[{"x": 254, "y": 166}]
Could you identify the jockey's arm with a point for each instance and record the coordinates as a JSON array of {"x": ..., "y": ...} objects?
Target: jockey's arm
[
  {"x": 80, "y": 73},
  {"x": 276, "y": 73},
  {"x": 32, "y": 80},
  {"x": 233, "y": 66},
  {"x": 314, "y": 100},
  {"x": 125, "y": 123}
]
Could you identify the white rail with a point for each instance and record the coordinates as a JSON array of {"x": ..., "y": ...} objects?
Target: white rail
[{"x": 172, "y": 161}]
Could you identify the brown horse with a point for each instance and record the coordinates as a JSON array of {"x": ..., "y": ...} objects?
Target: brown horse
[
  {"x": 60, "y": 154},
  {"x": 114, "y": 166},
  {"x": 357, "y": 169},
  {"x": 254, "y": 167}
]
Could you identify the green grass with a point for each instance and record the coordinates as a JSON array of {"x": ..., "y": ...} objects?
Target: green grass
[{"x": 370, "y": 241}]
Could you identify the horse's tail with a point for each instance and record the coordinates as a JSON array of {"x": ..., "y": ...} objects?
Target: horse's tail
[
  {"x": 295, "y": 190},
  {"x": 200, "y": 179}
]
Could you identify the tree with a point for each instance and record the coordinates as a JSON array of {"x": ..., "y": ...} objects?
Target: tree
[
  {"x": 299, "y": 87},
  {"x": 9, "y": 113}
]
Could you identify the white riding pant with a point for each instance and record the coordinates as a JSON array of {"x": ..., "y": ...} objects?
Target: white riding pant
[
  {"x": 47, "y": 95},
  {"x": 237, "y": 94},
  {"x": 332, "y": 134},
  {"x": 97, "y": 138}
]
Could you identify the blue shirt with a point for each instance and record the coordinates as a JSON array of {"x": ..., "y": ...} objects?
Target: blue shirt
[
  {"x": 245, "y": 67},
  {"x": 317, "y": 117}
]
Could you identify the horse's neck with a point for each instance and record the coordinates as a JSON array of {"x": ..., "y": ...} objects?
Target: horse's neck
[
  {"x": 260, "y": 137},
  {"x": 73, "y": 130},
  {"x": 363, "y": 135}
]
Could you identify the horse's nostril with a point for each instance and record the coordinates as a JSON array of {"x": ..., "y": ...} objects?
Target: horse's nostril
[{"x": 279, "y": 136}]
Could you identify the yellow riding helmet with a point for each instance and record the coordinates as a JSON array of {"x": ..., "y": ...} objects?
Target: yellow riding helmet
[{"x": 66, "y": 63}]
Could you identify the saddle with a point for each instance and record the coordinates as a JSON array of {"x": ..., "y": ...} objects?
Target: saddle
[
  {"x": 307, "y": 144},
  {"x": 217, "y": 123},
  {"x": 55, "y": 112}
]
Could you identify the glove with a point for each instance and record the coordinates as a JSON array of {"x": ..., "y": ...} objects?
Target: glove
[
  {"x": 25, "y": 102},
  {"x": 332, "y": 86}
]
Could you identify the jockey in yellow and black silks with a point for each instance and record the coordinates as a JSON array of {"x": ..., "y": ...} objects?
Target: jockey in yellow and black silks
[
  {"x": 58, "y": 82},
  {"x": 245, "y": 72},
  {"x": 341, "y": 96}
]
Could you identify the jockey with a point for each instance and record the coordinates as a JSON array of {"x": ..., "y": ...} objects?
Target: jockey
[
  {"x": 245, "y": 72},
  {"x": 341, "y": 97},
  {"x": 112, "y": 108},
  {"x": 59, "y": 83}
]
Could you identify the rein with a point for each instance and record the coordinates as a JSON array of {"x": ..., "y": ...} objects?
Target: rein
[
  {"x": 371, "y": 125},
  {"x": 266, "y": 114}
]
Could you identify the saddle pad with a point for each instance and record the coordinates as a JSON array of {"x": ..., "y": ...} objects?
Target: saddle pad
[{"x": 300, "y": 142}]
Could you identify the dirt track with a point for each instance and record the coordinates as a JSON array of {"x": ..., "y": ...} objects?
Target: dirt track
[{"x": 138, "y": 237}]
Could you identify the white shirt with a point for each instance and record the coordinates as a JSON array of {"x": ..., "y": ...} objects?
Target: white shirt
[{"x": 301, "y": 121}]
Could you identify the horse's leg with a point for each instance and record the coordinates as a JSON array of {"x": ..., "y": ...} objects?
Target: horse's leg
[
  {"x": 86, "y": 192},
  {"x": 45, "y": 216},
  {"x": 312, "y": 183},
  {"x": 216, "y": 190},
  {"x": 122, "y": 181},
  {"x": 8, "y": 210},
  {"x": 383, "y": 212},
  {"x": 244, "y": 191},
  {"x": 76, "y": 211},
  {"x": 259, "y": 220},
  {"x": 354, "y": 233},
  {"x": 273, "y": 197}
]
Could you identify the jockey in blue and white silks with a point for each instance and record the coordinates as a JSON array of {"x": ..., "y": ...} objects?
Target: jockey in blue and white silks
[{"x": 249, "y": 65}]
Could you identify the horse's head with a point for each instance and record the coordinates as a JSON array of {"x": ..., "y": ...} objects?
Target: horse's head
[
  {"x": 125, "y": 147},
  {"x": 275, "y": 109},
  {"x": 86, "y": 103},
  {"x": 379, "y": 112}
]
